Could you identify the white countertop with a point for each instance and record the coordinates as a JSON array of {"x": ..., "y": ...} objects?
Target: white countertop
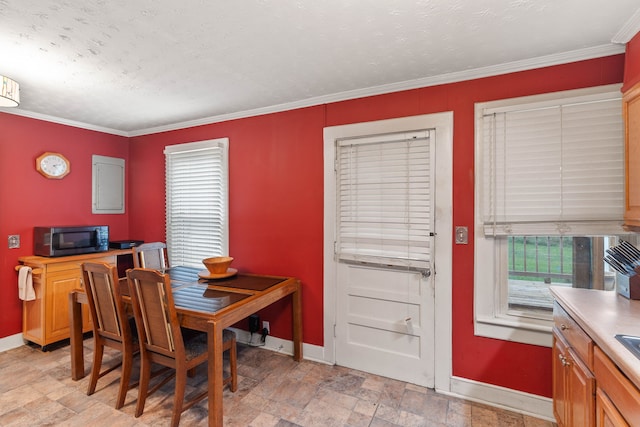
[{"x": 603, "y": 315}]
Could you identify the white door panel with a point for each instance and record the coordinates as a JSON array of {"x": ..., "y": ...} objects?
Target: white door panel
[
  {"x": 381, "y": 325},
  {"x": 369, "y": 340}
]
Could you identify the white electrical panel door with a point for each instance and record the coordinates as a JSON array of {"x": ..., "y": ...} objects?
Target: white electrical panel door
[{"x": 108, "y": 185}]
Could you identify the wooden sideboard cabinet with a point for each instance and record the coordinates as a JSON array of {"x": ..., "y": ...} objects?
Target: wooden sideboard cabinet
[
  {"x": 631, "y": 113},
  {"x": 572, "y": 367},
  {"x": 45, "y": 320}
]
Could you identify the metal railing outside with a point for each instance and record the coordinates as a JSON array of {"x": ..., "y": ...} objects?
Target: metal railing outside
[{"x": 544, "y": 257}]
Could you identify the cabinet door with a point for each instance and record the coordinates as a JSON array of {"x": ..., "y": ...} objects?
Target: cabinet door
[
  {"x": 606, "y": 413},
  {"x": 560, "y": 393},
  {"x": 631, "y": 111},
  {"x": 58, "y": 285},
  {"x": 573, "y": 386},
  {"x": 581, "y": 387}
]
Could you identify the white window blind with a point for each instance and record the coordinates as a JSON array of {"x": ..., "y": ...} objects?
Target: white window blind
[
  {"x": 197, "y": 198},
  {"x": 385, "y": 205},
  {"x": 554, "y": 167}
]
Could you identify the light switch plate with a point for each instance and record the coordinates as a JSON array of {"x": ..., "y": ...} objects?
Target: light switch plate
[
  {"x": 14, "y": 241},
  {"x": 462, "y": 235}
]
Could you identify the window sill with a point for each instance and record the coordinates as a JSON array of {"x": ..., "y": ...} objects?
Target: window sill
[{"x": 515, "y": 329}]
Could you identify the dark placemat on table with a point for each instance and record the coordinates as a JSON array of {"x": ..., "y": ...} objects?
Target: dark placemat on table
[{"x": 241, "y": 281}]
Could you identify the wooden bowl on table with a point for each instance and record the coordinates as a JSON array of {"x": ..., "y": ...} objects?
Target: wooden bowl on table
[{"x": 217, "y": 265}]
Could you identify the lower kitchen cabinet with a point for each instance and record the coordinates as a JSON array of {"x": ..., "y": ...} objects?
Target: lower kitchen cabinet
[
  {"x": 45, "y": 320},
  {"x": 573, "y": 381},
  {"x": 606, "y": 413},
  {"x": 596, "y": 380},
  {"x": 619, "y": 401}
]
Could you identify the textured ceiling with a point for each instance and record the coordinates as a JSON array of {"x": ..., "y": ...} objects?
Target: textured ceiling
[{"x": 134, "y": 66}]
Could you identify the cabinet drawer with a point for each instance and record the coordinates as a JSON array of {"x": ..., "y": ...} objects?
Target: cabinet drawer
[
  {"x": 577, "y": 339},
  {"x": 624, "y": 395},
  {"x": 77, "y": 264}
]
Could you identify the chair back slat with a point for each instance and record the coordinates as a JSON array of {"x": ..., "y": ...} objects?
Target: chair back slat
[
  {"x": 151, "y": 255},
  {"x": 103, "y": 295},
  {"x": 155, "y": 311}
]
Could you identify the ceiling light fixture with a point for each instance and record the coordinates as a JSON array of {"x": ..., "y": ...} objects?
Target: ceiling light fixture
[{"x": 9, "y": 92}]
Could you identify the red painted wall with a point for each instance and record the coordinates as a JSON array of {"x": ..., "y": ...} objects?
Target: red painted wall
[
  {"x": 632, "y": 63},
  {"x": 28, "y": 199},
  {"x": 276, "y": 198}
]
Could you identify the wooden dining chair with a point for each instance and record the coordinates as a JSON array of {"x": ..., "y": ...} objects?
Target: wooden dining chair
[
  {"x": 111, "y": 326},
  {"x": 151, "y": 255},
  {"x": 164, "y": 342}
]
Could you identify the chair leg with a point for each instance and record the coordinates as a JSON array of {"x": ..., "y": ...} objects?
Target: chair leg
[
  {"x": 98, "y": 351},
  {"x": 145, "y": 373},
  {"x": 233, "y": 365},
  {"x": 127, "y": 364},
  {"x": 178, "y": 399}
]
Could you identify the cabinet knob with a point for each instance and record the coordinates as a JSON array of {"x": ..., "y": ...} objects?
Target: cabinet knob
[{"x": 563, "y": 327}]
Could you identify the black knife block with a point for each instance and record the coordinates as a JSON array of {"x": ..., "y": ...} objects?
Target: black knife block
[{"x": 629, "y": 286}]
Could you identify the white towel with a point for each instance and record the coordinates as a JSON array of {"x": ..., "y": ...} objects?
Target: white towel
[{"x": 25, "y": 284}]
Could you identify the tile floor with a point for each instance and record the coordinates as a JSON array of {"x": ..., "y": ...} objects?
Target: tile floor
[{"x": 274, "y": 391}]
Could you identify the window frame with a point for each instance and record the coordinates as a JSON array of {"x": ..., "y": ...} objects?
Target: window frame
[{"x": 492, "y": 316}]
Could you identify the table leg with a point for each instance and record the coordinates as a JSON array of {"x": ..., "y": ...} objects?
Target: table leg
[
  {"x": 297, "y": 322},
  {"x": 75, "y": 324},
  {"x": 215, "y": 392}
]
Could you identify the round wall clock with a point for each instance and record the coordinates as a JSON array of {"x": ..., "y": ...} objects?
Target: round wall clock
[{"x": 53, "y": 165}]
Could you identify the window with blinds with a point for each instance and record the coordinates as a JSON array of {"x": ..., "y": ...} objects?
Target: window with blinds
[
  {"x": 385, "y": 200},
  {"x": 196, "y": 201},
  {"x": 549, "y": 202},
  {"x": 553, "y": 167}
]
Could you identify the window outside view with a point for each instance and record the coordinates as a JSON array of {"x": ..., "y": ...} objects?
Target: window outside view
[{"x": 537, "y": 262}]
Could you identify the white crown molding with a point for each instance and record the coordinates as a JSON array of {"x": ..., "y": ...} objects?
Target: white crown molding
[
  {"x": 62, "y": 121},
  {"x": 628, "y": 30},
  {"x": 510, "y": 67}
]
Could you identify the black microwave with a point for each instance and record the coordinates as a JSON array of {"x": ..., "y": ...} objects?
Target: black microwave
[{"x": 70, "y": 240}]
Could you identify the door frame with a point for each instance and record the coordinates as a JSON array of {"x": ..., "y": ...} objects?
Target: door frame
[{"x": 443, "y": 123}]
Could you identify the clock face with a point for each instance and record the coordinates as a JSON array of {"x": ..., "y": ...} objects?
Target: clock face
[{"x": 53, "y": 165}]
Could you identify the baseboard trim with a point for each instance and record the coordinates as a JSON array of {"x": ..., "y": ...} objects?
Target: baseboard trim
[
  {"x": 501, "y": 397},
  {"x": 11, "y": 342}
]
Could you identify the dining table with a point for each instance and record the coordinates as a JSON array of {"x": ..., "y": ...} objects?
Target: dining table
[{"x": 208, "y": 305}]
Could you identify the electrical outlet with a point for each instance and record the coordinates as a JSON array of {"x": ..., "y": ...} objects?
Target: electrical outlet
[
  {"x": 265, "y": 325},
  {"x": 14, "y": 241}
]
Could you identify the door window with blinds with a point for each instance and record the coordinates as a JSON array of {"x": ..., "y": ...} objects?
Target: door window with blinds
[
  {"x": 196, "y": 201},
  {"x": 550, "y": 200},
  {"x": 385, "y": 206}
]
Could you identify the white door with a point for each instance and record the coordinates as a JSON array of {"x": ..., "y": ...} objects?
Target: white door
[{"x": 384, "y": 246}]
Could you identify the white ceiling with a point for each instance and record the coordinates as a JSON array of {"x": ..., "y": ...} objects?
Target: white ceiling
[{"x": 138, "y": 66}]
